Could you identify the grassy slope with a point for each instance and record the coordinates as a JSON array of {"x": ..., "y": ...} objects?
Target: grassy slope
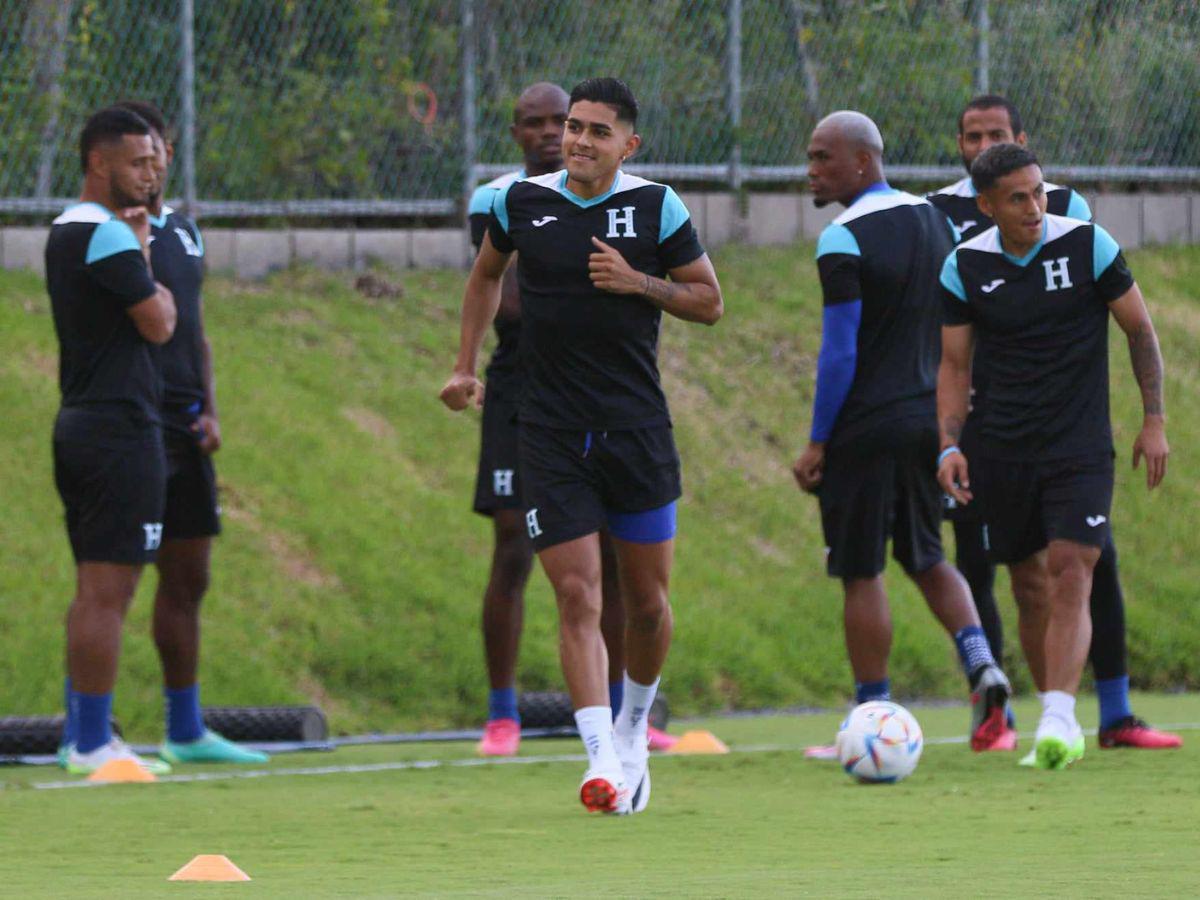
[
  {"x": 351, "y": 567},
  {"x": 762, "y": 824}
]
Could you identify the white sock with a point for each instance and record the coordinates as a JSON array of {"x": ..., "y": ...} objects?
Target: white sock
[
  {"x": 596, "y": 730},
  {"x": 1060, "y": 705},
  {"x": 632, "y": 720}
]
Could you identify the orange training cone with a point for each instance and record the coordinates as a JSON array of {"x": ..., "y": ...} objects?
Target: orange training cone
[
  {"x": 118, "y": 771},
  {"x": 695, "y": 742},
  {"x": 210, "y": 867}
]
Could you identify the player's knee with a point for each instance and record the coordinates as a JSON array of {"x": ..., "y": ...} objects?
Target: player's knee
[
  {"x": 184, "y": 585},
  {"x": 579, "y": 600},
  {"x": 645, "y": 610}
]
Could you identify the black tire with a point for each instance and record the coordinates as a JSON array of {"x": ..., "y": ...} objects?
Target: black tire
[
  {"x": 553, "y": 709},
  {"x": 34, "y": 735},
  {"x": 266, "y": 724}
]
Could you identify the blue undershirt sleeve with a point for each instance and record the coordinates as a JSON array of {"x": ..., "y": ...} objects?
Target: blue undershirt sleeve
[
  {"x": 835, "y": 365},
  {"x": 1077, "y": 207}
]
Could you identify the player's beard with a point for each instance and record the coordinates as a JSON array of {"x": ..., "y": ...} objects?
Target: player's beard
[
  {"x": 123, "y": 198},
  {"x": 819, "y": 203}
]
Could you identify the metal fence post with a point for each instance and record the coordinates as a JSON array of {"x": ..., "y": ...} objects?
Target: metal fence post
[
  {"x": 734, "y": 63},
  {"x": 470, "y": 149},
  {"x": 187, "y": 103},
  {"x": 982, "y": 27}
]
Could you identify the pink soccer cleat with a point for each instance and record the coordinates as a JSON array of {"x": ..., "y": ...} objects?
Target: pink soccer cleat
[
  {"x": 501, "y": 737},
  {"x": 660, "y": 740},
  {"x": 1133, "y": 732}
]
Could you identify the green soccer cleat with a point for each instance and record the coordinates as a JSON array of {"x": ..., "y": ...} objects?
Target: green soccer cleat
[
  {"x": 86, "y": 763},
  {"x": 1054, "y": 753},
  {"x": 210, "y": 747}
]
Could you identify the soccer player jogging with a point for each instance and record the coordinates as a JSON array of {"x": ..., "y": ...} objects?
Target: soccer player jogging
[
  {"x": 984, "y": 122},
  {"x": 191, "y": 434},
  {"x": 870, "y": 458},
  {"x": 109, "y": 461},
  {"x": 596, "y": 451},
  {"x": 539, "y": 118},
  {"x": 1033, "y": 294}
]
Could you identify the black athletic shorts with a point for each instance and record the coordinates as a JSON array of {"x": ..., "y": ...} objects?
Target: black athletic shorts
[
  {"x": 883, "y": 485},
  {"x": 192, "y": 508},
  {"x": 579, "y": 482},
  {"x": 498, "y": 485},
  {"x": 1025, "y": 505},
  {"x": 112, "y": 480}
]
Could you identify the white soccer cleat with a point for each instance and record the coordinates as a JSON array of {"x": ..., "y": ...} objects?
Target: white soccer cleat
[
  {"x": 87, "y": 763},
  {"x": 634, "y": 753},
  {"x": 604, "y": 792},
  {"x": 1059, "y": 743}
]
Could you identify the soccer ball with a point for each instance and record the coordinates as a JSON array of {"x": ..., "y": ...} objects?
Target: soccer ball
[{"x": 880, "y": 741}]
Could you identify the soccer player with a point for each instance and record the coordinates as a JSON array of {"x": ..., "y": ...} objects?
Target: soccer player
[
  {"x": 593, "y": 248},
  {"x": 870, "y": 457},
  {"x": 539, "y": 118},
  {"x": 110, "y": 314},
  {"x": 1034, "y": 292},
  {"x": 985, "y": 121},
  {"x": 191, "y": 434}
]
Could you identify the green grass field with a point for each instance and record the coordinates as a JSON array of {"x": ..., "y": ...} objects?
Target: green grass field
[
  {"x": 351, "y": 568},
  {"x": 758, "y": 822}
]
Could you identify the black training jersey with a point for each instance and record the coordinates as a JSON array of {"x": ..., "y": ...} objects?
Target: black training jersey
[
  {"x": 177, "y": 257},
  {"x": 590, "y": 357},
  {"x": 957, "y": 201},
  {"x": 504, "y": 368},
  {"x": 95, "y": 271},
  {"x": 885, "y": 250},
  {"x": 1041, "y": 322}
]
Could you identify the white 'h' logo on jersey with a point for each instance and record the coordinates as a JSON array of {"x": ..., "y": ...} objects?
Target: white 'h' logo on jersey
[
  {"x": 1057, "y": 273},
  {"x": 502, "y": 482},
  {"x": 531, "y": 523},
  {"x": 616, "y": 218}
]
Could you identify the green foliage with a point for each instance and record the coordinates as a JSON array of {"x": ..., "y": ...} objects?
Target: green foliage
[{"x": 351, "y": 569}]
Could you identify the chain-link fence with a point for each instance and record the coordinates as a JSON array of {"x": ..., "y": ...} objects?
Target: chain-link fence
[{"x": 394, "y": 107}]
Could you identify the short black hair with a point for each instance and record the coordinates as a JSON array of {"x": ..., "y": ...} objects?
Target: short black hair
[
  {"x": 106, "y": 126},
  {"x": 997, "y": 161},
  {"x": 151, "y": 113},
  {"x": 611, "y": 91},
  {"x": 993, "y": 101}
]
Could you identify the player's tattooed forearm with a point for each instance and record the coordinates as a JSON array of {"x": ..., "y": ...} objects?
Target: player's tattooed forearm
[
  {"x": 1147, "y": 368},
  {"x": 953, "y": 426},
  {"x": 658, "y": 291}
]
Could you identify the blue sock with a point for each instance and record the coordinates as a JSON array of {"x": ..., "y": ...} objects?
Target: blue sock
[
  {"x": 502, "y": 704},
  {"x": 91, "y": 713},
  {"x": 1113, "y": 694},
  {"x": 70, "y": 732},
  {"x": 865, "y": 691},
  {"x": 616, "y": 695},
  {"x": 183, "y": 714},
  {"x": 973, "y": 649}
]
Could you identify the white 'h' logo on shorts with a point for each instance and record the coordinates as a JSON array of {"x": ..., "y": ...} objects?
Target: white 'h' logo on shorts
[
  {"x": 531, "y": 523},
  {"x": 502, "y": 482},
  {"x": 153, "y": 534}
]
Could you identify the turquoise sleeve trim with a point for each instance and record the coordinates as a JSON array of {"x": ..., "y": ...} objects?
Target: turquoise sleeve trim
[
  {"x": 837, "y": 239},
  {"x": 1104, "y": 251},
  {"x": 674, "y": 214},
  {"x": 1077, "y": 208},
  {"x": 199, "y": 238},
  {"x": 481, "y": 201},
  {"x": 500, "y": 206},
  {"x": 954, "y": 232},
  {"x": 109, "y": 239},
  {"x": 950, "y": 278}
]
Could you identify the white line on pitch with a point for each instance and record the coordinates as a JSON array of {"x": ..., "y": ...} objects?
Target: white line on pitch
[{"x": 417, "y": 764}]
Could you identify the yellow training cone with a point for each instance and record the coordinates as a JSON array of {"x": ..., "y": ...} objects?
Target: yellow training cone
[
  {"x": 210, "y": 867},
  {"x": 699, "y": 742},
  {"x": 117, "y": 771}
]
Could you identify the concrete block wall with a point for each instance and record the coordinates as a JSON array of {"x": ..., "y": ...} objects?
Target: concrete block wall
[{"x": 1135, "y": 220}]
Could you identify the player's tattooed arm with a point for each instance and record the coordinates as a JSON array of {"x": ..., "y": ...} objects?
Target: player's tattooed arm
[
  {"x": 1146, "y": 359},
  {"x": 693, "y": 293}
]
